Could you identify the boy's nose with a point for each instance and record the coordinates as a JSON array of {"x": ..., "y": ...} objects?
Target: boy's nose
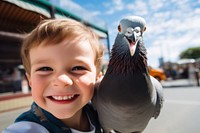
[{"x": 63, "y": 80}]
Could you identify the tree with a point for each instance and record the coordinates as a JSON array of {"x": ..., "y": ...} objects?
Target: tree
[{"x": 190, "y": 53}]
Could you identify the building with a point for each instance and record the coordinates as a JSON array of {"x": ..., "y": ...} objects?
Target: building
[{"x": 18, "y": 17}]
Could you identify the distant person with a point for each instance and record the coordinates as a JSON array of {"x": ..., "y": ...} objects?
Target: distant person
[
  {"x": 16, "y": 80},
  {"x": 191, "y": 74},
  {"x": 62, "y": 59},
  {"x": 185, "y": 73}
]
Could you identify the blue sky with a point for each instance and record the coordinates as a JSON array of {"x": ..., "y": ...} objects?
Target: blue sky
[{"x": 172, "y": 25}]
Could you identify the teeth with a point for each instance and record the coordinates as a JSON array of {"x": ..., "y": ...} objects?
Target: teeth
[{"x": 63, "y": 97}]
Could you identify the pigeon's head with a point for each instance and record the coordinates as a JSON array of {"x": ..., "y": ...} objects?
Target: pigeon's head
[
  {"x": 132, "y": 28},
  {"x": 128, "y": 52}
]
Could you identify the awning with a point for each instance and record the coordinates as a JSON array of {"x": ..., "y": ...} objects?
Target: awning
[
  {"x": 23, "y": 15},
  {"x": 18, "y": 17},
  {"x": 186, "y": 61}
]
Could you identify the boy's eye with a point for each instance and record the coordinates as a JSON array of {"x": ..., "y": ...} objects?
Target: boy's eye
[
  {"x": 78, "y": 68},
  {"x": 45, "y": 69}
]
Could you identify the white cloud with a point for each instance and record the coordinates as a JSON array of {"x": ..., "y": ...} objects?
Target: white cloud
[
  {"x": 172, "y": 30},
  {"x": 114, "y": 6},
  {"x": 156, "y": 4},
  {"x": 138, "y": 8},
  {"x": 197, "y": 11}
]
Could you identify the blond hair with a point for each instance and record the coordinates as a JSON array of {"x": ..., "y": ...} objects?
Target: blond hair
[{"x": 56, "y": 31}]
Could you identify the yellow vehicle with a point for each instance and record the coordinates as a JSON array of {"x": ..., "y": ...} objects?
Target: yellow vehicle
[{"x": 157, "y": 73}]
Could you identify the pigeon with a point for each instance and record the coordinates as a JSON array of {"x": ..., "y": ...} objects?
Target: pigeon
[{"x": 127, "y": 97}]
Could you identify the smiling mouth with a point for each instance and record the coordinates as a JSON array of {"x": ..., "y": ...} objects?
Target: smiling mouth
[{"x": 64, "y": 99}]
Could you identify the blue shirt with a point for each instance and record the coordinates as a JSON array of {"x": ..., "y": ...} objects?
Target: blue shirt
[{"x": 37, "y": 120}]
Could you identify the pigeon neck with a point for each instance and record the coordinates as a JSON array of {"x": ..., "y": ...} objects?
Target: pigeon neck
[{"x": 123, "y": 62}]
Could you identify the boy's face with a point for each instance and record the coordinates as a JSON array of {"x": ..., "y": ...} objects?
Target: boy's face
[{"x": 62, "y": 77}]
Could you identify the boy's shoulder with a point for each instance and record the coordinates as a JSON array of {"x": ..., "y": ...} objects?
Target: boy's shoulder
[
  {"x": 35, "y": 114},
  {"x": 43, "y": 118},
  {"x": 26, "y": 116},
  {"x": 38, "y": 118},
  {"x": 25, "y": 127}
]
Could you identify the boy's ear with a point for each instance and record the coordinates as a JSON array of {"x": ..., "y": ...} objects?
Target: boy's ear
[
  {"x": 29, "y": 79},
  {"x": 99, "y": 75}
]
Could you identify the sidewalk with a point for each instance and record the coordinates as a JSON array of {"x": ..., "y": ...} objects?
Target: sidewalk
[
  {"x": 179, "y": 83},
  {"x": 12, "y": 101}
]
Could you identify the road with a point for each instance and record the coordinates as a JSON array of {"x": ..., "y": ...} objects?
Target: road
[{"x": 180, "y": 113}]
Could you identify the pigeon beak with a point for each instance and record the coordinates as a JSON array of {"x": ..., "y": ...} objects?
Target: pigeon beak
[
  {"x": 132, "y": 43},
  {"x": 132, "y": 47}
]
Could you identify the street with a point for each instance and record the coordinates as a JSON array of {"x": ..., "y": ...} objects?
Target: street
[{"x": 180, "y": 113}]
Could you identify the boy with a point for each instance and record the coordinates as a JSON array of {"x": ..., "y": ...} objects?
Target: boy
[{"x": 62, "y": 59}]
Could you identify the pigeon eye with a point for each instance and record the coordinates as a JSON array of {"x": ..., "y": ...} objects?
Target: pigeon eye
[
  {"x": 129, "y": 31},
  {"x": 137, "y": 29}
]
